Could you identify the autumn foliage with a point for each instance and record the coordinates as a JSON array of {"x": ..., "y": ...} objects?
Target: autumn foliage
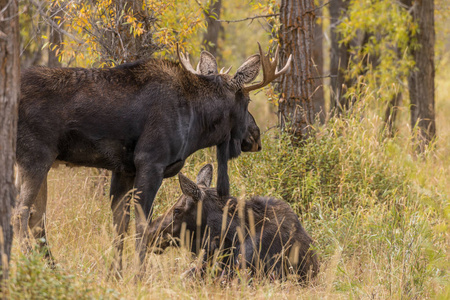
[{"x": 113, "y": 32}]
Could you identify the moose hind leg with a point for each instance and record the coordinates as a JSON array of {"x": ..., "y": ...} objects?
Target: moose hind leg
[
  {"x": 30, "y": 188},
  {"x": 121, "y": 186}
]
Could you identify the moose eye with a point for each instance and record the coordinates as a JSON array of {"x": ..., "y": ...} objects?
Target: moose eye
[{"x": 177, "y": 211}]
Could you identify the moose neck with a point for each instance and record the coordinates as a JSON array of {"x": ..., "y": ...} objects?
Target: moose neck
[
  {"x": 223, "y": 184},
  {"x": 219, "y": 117}
]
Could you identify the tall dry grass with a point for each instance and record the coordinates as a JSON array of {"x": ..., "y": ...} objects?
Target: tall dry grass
[{"x": 379, "y": 215}]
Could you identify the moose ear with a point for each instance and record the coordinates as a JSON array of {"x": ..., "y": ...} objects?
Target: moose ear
[
  {"x": 207, "y": 64},
  {"x": 189, "y": 188},
  {"x": 248, "y": 71},
  {"x": 205, "y": 175}
]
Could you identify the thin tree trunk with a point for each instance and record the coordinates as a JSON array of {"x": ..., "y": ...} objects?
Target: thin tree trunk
[
  {"x": 295, "y": 109},
  {"x": 211, "y": 36},
  {"x": 9, "y": 96},
  {"x": 318, "y": 96},
  {"x": 55, "y": 37},
  {"x": 421, "y": 79},
  {"x": 340, "y": 58}
]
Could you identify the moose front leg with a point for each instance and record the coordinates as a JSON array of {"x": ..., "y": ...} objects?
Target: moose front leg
[
  {"x": 148, "y": 181},
  {"x": 121, "y": 185},
  {"x": 223, "y": 184}
]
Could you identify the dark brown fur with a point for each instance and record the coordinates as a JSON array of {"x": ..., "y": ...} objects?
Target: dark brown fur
[
  {"x": 278, "y": 246},
  {"x": 140, "y": 120}
]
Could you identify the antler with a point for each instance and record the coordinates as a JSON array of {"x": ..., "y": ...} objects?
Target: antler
[
  {"x": 184, "y": 60},
  {"x": 270, "y": 70},
  {"x": 225, "y": 72}
]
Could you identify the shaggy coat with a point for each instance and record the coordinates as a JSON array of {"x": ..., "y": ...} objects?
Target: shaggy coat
[
  {"x": 263, "y": 232},
  {"x": 140, "y": 120}
]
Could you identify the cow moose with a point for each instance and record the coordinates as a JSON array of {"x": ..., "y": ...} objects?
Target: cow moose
[
  {"x": 267, "y": 235},
  {"x": 140, "y": 120}
]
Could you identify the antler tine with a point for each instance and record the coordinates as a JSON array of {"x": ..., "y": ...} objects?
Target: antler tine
[
  {"x": 184, "y": 60},
  {"x": 286, "y": 67},
  {"x": 277, "y": 52},
  {"x": 270, "y": 70},
  {"x": 225, "y": 72},
  {"x": 267, "y": 64}
]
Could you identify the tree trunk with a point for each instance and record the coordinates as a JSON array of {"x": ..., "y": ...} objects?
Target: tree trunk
[
  {"x": 9, "y": 96},
  {"x": 390, "y": 114},
  {"x": 211, "y": 36},
  {"x": 55, "y": 37},
  {"x": 318, "y": 96},
  {"x": 421, "y": 78},
  {"x": 340, "y": 58},
  {"x": 295, "y": 109}
]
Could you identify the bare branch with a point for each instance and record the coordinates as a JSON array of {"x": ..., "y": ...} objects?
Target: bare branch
[
  {"x": 269, "y": 15},
  {"x": 4, "y": 9},
  {"x": 318, "y": 7},
  {"x": 249, "y": 18},
  {"x": 52, "y": 23},
  {"x": 324, "y": 76}
]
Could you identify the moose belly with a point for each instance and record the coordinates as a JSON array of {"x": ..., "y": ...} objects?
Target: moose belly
[{"x": 114, "y": 155}]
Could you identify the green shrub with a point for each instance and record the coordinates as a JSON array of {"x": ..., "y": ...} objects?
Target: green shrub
[{"x": 339, "y": 165}]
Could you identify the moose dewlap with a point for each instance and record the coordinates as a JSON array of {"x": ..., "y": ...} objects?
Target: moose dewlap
[{"x": 261, "y": 233}]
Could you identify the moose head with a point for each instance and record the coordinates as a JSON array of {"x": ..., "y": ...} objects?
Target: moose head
[{"x": 240, "y": 83}]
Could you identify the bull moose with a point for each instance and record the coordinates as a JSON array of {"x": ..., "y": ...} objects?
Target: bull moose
[
  {"x": 140, "y": 120},
  {"x": 267, "y": 235}
]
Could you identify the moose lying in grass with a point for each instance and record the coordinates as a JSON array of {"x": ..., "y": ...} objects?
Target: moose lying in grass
[
  {"x": 140, "y": 120},
  {"x": 265, "y": 235}
]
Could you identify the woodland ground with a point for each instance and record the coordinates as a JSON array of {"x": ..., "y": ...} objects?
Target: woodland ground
[{"x": 378, "y": 213}]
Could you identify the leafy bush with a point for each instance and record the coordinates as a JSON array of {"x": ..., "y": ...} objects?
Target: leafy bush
[{"x": 342, "y": 165}]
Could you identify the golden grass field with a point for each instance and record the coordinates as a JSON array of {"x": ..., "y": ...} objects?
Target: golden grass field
[{"x": 373, "y": 243}]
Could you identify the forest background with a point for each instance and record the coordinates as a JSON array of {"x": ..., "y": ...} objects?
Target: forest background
[{"x": 377, "y": 207}]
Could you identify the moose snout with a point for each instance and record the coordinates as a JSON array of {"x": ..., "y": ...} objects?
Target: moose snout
[
  {"x": 256, "y": 145},
  {"x": 250, "y": 145}
]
